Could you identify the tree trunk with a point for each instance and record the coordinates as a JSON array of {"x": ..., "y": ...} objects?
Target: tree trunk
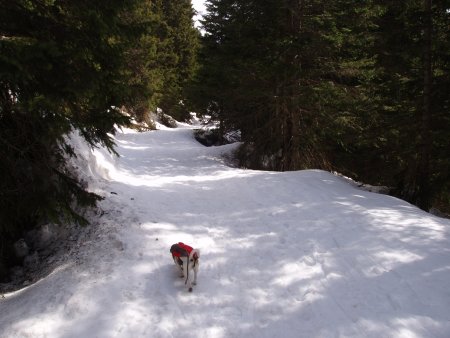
[
  {"x": 291, "y": 133},
  {"x": 423, "y": 175}
]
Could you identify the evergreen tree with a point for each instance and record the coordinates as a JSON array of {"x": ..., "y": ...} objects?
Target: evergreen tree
[
  {"x": 180, "y": 56},
  {"x": 144, "y": 63},
  {"x": 162, "y": 64},
  {"x": 412, "y": 70},
  {"x": 61, "y": 67},
  {"x": 277, "y": 68}
]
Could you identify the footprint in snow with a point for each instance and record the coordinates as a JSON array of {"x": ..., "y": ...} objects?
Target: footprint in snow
[
  {"x": 129, "y": 295},
  {"x": 310, "y": 260}
]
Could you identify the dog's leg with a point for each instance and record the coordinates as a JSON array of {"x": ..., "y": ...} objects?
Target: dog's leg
[
  {"x": 186, "y": 272},
  {"x": 195, "y": 273},
  {"x": 184, "y": 266},
  {"x": 179, "y": 268}
]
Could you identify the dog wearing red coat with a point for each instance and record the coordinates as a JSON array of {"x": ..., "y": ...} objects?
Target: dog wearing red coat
[{"x": 187, "y": 260}]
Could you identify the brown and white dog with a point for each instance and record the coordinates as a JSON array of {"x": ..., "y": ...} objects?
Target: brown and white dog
[{"x": 186, "y": 259}]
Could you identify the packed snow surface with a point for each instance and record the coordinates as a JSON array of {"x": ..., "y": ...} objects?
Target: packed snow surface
[{"x": 294, "y": 254}]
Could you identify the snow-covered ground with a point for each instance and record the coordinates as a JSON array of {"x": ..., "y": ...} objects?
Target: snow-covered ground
[{"x": 295, "y": 254}]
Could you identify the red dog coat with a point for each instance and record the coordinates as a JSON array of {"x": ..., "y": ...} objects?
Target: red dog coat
[{"x": 180, "y": 250}]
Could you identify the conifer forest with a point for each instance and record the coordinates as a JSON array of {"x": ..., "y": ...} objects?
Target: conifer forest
[{"x": 361, "y": 88}]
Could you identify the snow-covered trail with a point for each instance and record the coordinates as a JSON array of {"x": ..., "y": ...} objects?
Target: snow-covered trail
[{"x": 298, "y": 254}]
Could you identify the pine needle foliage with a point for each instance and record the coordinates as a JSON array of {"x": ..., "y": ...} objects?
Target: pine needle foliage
[{"x": 62, "y": 67}]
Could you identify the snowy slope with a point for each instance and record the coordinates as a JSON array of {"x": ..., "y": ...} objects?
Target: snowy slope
[{"x": 297, "y": 254}]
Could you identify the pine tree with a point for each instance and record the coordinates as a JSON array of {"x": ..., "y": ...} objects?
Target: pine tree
[
  {"x": 411, "y": 51},
  {"x": 61, "y": 67},
  {"x": 146, "y": 59},
  {"x": 180, "y": 56},
  {"x": 440, "y": 105},
  {"x": 277, "y": 69}
]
